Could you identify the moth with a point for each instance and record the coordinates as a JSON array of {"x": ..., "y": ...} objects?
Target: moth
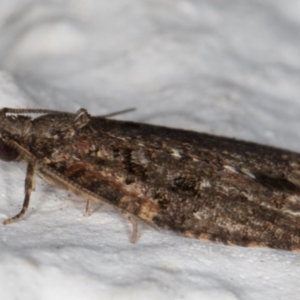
[{"x": 200, "y": 185}]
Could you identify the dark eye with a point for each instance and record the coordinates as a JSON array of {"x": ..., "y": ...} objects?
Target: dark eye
[
  {"x": 7, "y": 153},
  {"x": 14, "y": 136}
]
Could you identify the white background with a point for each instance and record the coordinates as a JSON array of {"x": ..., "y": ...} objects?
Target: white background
[{"x": 228, "y": 67}]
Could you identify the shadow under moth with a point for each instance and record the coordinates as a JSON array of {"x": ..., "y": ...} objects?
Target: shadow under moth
[{"x": 200, "y": 185}]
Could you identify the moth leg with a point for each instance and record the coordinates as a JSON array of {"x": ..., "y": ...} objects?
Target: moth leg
[
  {"x": 29, "y": 187},
  {"x": 32, "y": 180},
  {"x": 134, "y": 228},
  {"x": 88, "y": 207},
  {"x": 54, "y": 180}
]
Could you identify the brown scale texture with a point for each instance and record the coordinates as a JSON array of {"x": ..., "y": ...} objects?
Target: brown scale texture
[{"x": 200, "y": 185}]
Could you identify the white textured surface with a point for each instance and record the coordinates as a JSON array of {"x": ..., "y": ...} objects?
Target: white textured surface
[{"x": 228, "y": 67}]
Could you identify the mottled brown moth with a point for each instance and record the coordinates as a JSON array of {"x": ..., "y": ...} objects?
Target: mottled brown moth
[{"x": 200, "y": 185}]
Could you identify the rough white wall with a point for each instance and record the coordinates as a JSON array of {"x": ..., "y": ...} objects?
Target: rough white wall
[{"x": 229, "y": 67}]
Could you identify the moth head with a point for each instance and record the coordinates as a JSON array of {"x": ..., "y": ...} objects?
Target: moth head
[{"x": 12, "y": 128}]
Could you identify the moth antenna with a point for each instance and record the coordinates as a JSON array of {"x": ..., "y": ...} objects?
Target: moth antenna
[
  {"x": 7, "y": 110},
  {"x": 120, "y": 112}
]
